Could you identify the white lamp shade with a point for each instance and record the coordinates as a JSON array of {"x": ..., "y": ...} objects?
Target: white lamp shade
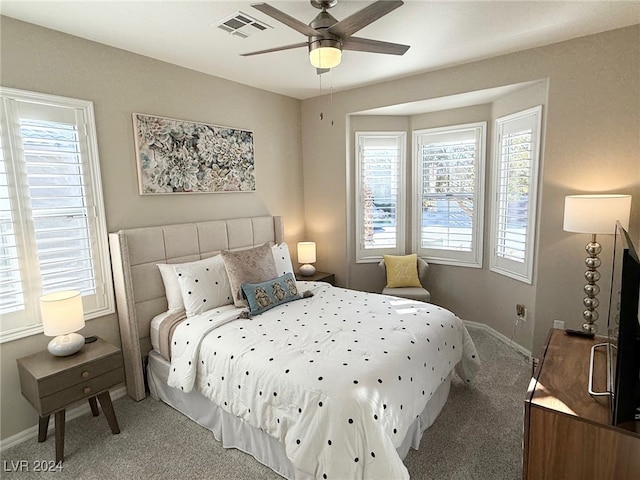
[
  {"x": 306, "y": 252},
  {"x": 325, "y": 57},
  {"x": 61, "y": 313},
  {"x": 596, "y": 214}
]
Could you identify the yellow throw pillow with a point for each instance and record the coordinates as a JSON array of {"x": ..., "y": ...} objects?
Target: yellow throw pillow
[{"x": 402, "y": 270}]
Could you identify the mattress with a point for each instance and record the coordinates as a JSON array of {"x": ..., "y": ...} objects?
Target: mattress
[{"x": 339, "y": 379}]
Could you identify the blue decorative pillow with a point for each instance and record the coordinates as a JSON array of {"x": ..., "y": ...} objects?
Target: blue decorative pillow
[{"x": 263, "y": 296}]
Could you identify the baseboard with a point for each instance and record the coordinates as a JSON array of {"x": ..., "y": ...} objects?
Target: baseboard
[
  {"x": 481, "y": 326},
  {"x": 75, "y": 412}
]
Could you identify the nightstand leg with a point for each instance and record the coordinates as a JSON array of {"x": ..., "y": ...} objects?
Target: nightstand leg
[
  {"x": 94, "y": 406},
  {"x": 43, "y": 426},
  {"x": 60, "y": 436},
  {"x": 107, "y": 408}
]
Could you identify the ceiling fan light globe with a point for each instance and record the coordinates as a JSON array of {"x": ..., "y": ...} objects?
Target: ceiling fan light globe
[{"x": 325, "y": 57}]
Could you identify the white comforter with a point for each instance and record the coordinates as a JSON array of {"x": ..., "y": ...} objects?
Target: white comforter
[{"x": 338, "y": 377}]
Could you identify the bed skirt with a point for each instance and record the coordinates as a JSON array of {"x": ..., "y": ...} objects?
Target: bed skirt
[{"x": 233, "y": 432}]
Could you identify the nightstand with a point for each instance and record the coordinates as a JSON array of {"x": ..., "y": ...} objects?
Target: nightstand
[
  {"x": 51, "y": 384},
  {"x": 317, "y": 277}
]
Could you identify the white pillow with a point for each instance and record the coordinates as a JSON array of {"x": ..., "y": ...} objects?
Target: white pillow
[
  {"x": 204, "y": 285},
  {"x": 282, "y": 258},
  {"x": 171, "y": 287}
]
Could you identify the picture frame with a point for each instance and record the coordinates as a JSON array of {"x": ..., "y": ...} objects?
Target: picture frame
[{"x": 185, "y": 157}]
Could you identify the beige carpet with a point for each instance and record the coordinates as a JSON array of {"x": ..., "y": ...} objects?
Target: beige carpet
[{"x": 477, "y": 436}]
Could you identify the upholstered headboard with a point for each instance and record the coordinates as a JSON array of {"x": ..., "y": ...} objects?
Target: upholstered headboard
[{"x": 138, "y": 285}]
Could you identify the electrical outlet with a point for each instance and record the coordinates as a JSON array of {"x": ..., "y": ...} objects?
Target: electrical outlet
[
  {"x": 558, "y": 324},
  {"x": 521, "y": 312}
]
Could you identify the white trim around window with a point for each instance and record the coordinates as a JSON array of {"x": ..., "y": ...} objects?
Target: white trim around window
[
  {"x": 514, "y": 187},
  {"x": 380, "y": 195},
  {"x": 448, "y": 203},
  {"x": 53, "y": 234}
]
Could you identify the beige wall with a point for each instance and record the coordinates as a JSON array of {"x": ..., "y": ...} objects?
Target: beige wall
[
  {"x": 120, "y": 83},
  {"x": 591, "y": 144}
]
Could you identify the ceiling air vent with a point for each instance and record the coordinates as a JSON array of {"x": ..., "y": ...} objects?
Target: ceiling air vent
[{"x": 242, "y": 25}]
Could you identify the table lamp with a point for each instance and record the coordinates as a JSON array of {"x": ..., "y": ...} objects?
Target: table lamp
[
  {"x": 62, "y": 315},
  {"x": 594, "y": 214},
  {"x": 306, "y": 256}
]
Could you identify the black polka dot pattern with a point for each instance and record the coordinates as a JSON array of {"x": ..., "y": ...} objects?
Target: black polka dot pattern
[
  {"x": 359, "y": 367},
  {"x": 205, "y": 284}
]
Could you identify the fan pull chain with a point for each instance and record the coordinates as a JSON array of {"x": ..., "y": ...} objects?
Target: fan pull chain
[
  {"x": 331, "y": 95},
  {"x": 320, "y": 82}
]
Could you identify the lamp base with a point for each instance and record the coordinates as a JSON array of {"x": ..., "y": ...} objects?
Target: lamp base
[
  {"x": 307, "y": 270},
  {"x": 591, "y": 289},
  {"x": 65, "y": 345}
]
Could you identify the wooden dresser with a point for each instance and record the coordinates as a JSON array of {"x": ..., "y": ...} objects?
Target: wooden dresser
[{"x": 567, "y": 434}]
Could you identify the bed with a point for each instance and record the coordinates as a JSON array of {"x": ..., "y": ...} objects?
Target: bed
[{"x": 332, "y": 384}]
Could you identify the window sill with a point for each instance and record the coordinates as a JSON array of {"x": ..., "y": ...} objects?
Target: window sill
[{"x": 22, "y": 332}]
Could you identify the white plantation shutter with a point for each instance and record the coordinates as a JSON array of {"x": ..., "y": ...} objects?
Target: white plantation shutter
[
  {"x": 515, "y": 180},
  {"x": 11, "y": 296},
  {"x": 513, "y": 191},
  {"x": 449, "y": 166},
  {"x": 60, "y": 208},
  {"x": 380, "y": 194},
  {"x": 53, "y": 230}
]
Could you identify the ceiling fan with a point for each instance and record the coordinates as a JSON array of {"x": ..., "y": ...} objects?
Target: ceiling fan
[{"x": 328, "y": 37}]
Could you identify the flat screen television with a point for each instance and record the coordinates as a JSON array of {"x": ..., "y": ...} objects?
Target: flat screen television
[{"x": 624, "y": 333}]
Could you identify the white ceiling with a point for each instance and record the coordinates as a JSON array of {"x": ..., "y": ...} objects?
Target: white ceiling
[{"x": 441, "y": 34}]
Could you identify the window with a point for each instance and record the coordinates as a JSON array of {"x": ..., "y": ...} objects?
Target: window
[
  {"x": 514, "y": 184},
  {"x": 52, "y": 224},
  {"x": 449, "y": 194},
  {"x": 380, "y": 194}
]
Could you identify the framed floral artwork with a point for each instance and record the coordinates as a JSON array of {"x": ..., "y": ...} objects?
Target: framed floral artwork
[{"x": 178, "y": 156}]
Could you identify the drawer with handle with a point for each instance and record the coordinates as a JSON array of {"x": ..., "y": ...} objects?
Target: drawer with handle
[
  {"x": 80, "y": 391},
  {"x": 61, "y": 381}
]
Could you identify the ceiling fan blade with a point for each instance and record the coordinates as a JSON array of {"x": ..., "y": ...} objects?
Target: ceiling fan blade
[
  {"x": 374, "y": 46},
  {"x": 275, "y": 49},
  {"x": 286, "y": 19},
  {"x": 350, "y": 25}
]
